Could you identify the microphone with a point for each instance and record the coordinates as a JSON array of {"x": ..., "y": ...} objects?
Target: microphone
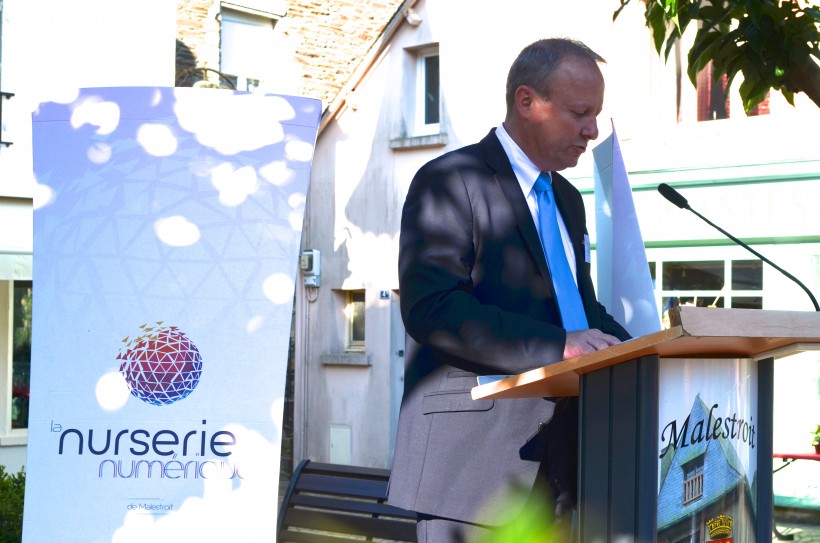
[{"x": 676, "y": 198}]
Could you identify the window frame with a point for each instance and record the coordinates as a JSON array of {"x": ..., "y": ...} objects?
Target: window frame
[
  {"x": 243, "y": 79},
  {"x": 693, "y": 479},
  {"x": 709, "y": 92},
  {"x": 354, "y": 309},
  {"x": 726, "y": 295},
  {"x": 8, "y": 436},
  {"x": 23, "y": 284},
  {"x": 420, "y": 125}
]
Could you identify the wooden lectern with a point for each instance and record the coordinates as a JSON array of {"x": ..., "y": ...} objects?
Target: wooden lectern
[{"x": 675, "y": 436}]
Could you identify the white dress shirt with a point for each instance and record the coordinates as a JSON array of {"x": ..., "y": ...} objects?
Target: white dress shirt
[{"x": 527, "y": 173}]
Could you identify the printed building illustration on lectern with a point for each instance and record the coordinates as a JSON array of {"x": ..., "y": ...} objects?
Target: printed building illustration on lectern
[{"x": 705, "y": 493}]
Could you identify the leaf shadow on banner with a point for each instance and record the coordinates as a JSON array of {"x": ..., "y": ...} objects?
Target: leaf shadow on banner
[{"x": 170, "y": 210}]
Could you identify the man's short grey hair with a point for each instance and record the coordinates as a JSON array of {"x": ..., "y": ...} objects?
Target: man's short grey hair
[{"x": 537, "y": 62}]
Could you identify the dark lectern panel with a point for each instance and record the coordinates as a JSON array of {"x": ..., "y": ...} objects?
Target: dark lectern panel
[
  {"x": 624, "y": 420},
  {"x": 594, "y": 441},
  {"x": 647, "y": 483},
  {"x": 618, "y": 456},
  {"x": 765, "y": 444}
]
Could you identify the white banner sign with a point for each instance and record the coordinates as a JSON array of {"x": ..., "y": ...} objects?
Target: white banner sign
[
  {"x": 624, "y": 285},
  {"x": 165, "y": 250}
]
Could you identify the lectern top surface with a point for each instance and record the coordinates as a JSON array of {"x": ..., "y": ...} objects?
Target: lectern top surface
[{"x": 697, "y": 332}]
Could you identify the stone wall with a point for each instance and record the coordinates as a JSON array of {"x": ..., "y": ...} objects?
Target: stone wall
[
  {"x": 197, "y": 39},
  {"x": 331, "y": 38}
]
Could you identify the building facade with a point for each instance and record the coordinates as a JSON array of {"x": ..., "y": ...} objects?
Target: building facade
[{"x": 435, "y": 83}]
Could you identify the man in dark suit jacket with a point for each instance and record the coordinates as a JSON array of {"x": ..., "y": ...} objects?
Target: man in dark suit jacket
[{"x": 477, "y": 298}]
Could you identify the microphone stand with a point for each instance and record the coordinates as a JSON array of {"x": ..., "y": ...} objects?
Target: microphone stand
[{"x": 673, "y": 196}]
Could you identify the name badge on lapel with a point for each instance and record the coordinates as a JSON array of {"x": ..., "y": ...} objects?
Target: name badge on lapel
[{"x": 587, "y": 255}]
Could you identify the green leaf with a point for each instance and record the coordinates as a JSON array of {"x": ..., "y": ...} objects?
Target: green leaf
[
  {"x": 734, "y": 65},
  {"x": 701, "y": 52},
  {"x": 711, "y": 12},
  {"x": 655, "y": 20},
  {"x": 688, "y": 12},
  {"x": 755, "y": 86},
  {"x": 674, "y": 36},
  {"x": 671, "y": 12},
  {"x": 788, "y": 95}
]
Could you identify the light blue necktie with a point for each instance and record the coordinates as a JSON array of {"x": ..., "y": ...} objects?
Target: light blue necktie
[{"x": 569, "y": 299}]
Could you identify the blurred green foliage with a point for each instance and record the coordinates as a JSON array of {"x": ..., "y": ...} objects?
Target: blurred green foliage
[{"x": 12, "y": 489}]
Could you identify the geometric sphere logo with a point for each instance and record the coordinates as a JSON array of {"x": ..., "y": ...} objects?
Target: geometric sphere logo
[{"x": 161, "y": 365}]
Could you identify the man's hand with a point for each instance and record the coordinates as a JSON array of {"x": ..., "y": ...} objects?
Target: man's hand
[{"x": 587, "y": 341}]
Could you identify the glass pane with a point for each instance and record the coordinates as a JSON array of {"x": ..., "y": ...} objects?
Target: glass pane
[
  {"x": 251, "y": 84},
  {"x": 747, "y": 302},
  {"x": 715, "y": 300},
  {"x": 747, "y": 275},
  {"x": 21, "y": 354},
  {"x": 431, "y": 90},
  {"x": 357, "y": 317},
  {"x": 703, "y": 275},
  {"x": 652, "y": 274}
]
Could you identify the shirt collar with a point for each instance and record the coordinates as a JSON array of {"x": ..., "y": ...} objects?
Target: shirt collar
[{"x": 525, "y": 171}]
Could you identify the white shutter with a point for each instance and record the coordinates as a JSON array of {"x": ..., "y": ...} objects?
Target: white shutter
[{"x": 248, "y": 45}]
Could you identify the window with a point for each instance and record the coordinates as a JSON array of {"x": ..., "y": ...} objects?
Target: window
[
  {"x": 247, "y": 46},
  {"x": 708, "y": 283},
  {"x": 354, "y": 316},
  {"x": 420, "y": 101},
  {"x": 713, "y": 102},
  {"x": 702, "y": 281},
  {"x": 747, "y": 275},
  {"x": 21, "y": 354},
  {"x": 3, "y": 95},
  {"x": 693, "y": 479},
  {"x": 15, "y": 351},
  {"x": 428, "y": 96}
]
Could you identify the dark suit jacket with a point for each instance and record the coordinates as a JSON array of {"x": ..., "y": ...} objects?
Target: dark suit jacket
[{"x": 477, "y": 298}]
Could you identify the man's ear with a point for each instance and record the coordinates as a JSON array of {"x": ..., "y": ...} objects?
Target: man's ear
[{"x": 525, "y": 97}]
